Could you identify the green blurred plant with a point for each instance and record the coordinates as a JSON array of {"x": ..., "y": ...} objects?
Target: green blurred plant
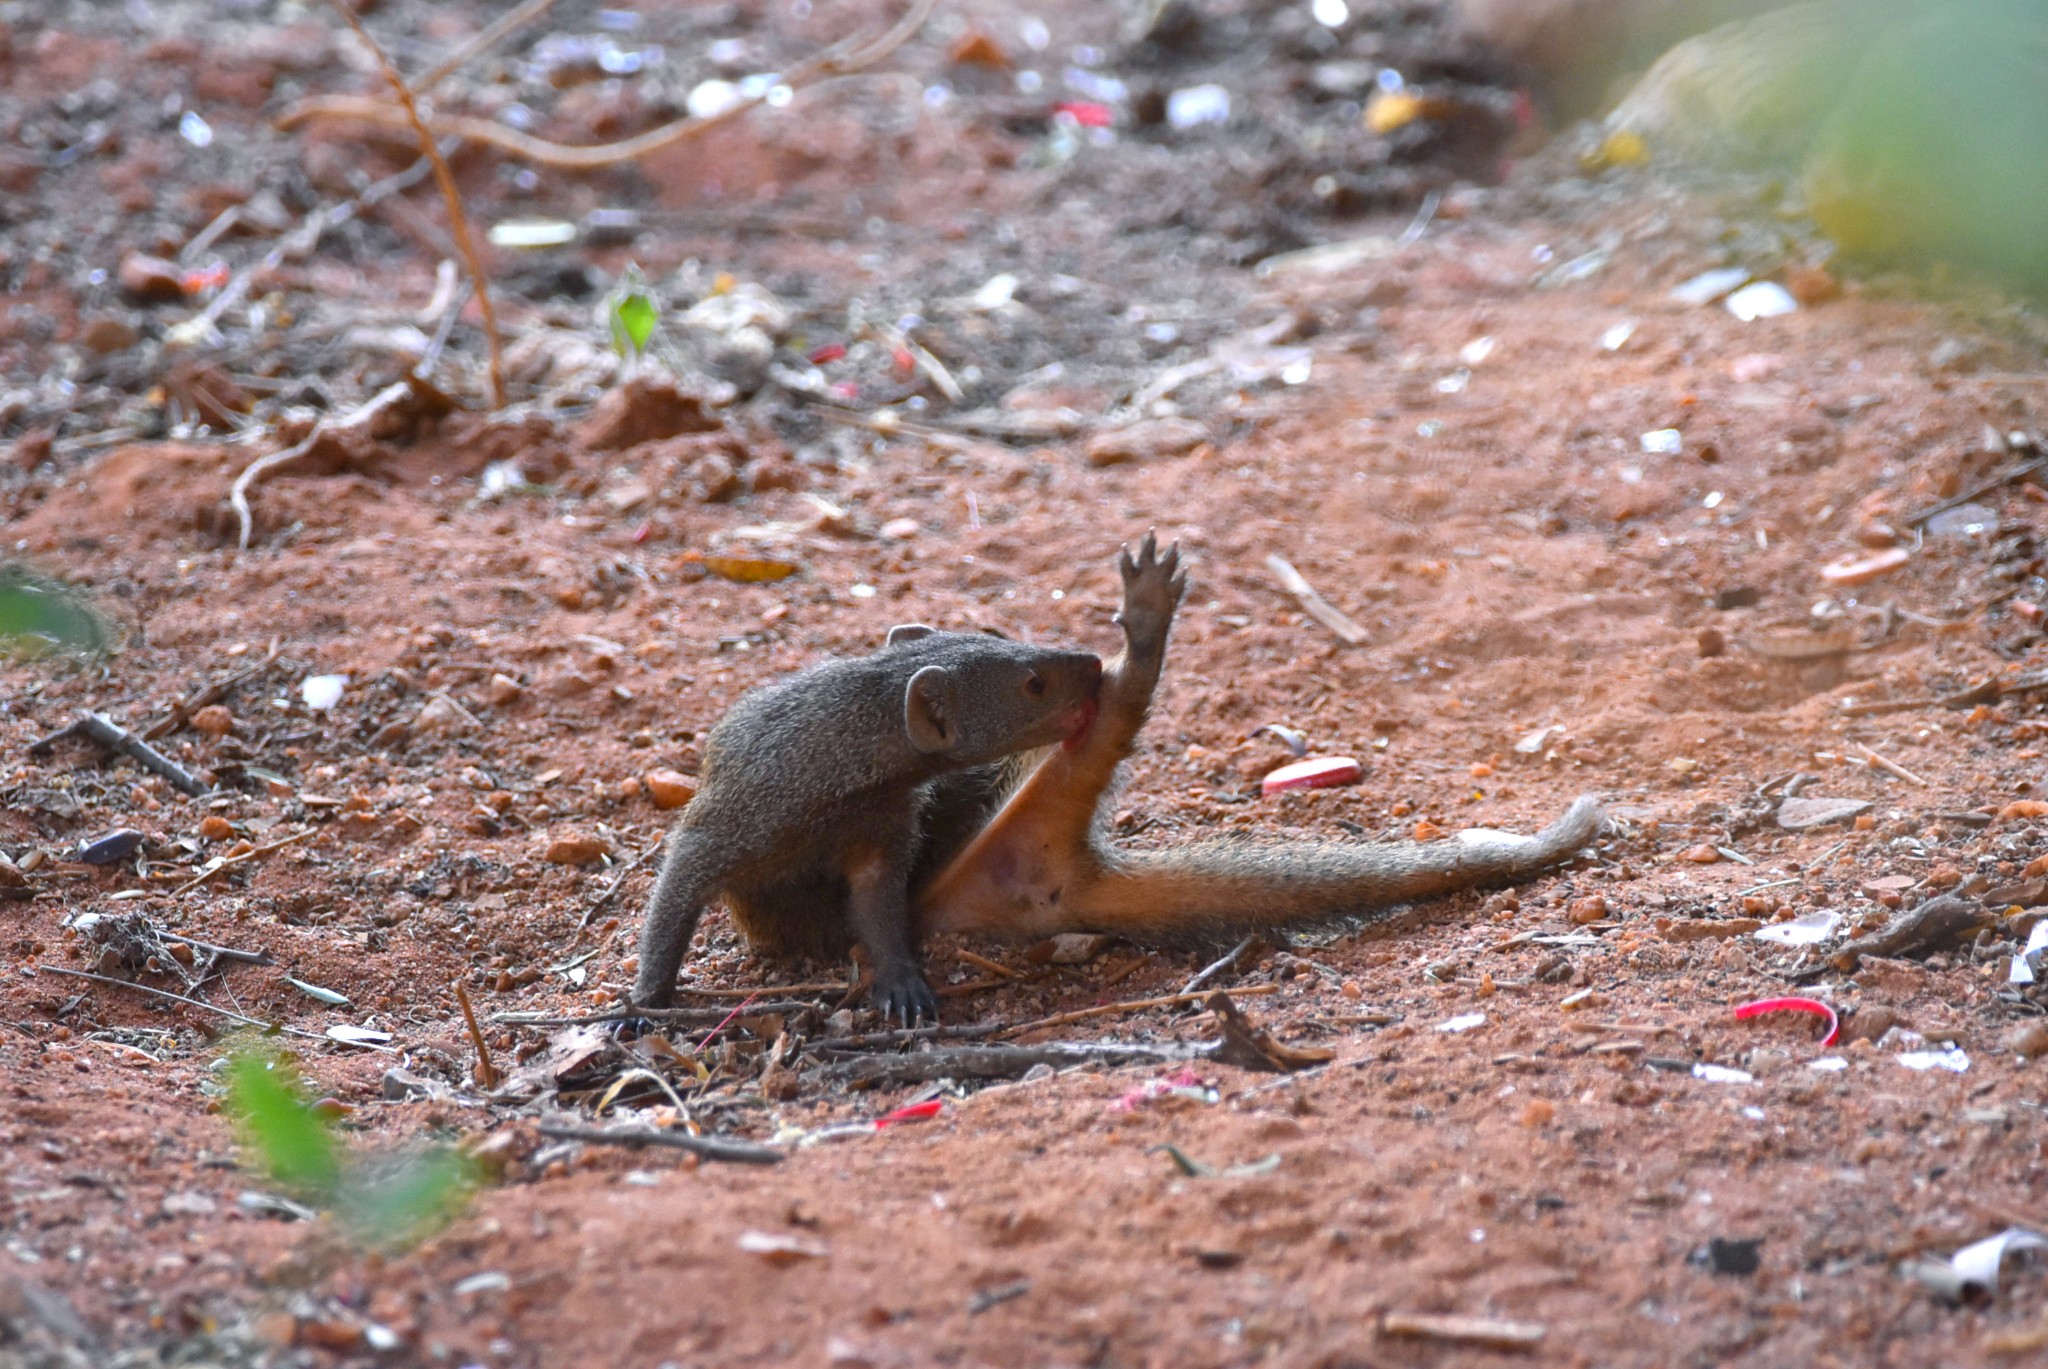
[
  {"x": 387, "y": 1201},
  {"x": 633, "y": 314},
  {"x": 40, "y": 617}
]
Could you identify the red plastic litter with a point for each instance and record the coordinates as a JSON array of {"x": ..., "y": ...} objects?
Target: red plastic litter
[
  {"x": 1315, "y": 774},
  {"x": 831, "y": 351},
  {"x": 208, "y": 278},
  {"x": 916, "y": 1112},
  {"x": 905, "y": 362},
  {"x": 1810, "y": 1005},
  {"x": 1086, "y": 113}
]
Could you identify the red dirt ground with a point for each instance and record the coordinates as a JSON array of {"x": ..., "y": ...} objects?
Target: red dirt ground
[{"x": 1487, "y": 512}]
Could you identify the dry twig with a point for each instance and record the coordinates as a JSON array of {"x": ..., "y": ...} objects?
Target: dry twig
[
  {"x": 487, "y": 1075},
  {"x": 1134, "y": 1005},
  {"x": 458, "y": 221},
  {"x": 231, "y": 862},
  {"x": 264, "y": 466},
  {"x": 708, "y": 1147},
  {"x": 1314, "y": 604},
  {"x": 104, "y": 730}
]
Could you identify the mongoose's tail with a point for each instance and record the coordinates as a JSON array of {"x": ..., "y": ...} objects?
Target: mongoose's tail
[{"x": 1213, "y": 890}]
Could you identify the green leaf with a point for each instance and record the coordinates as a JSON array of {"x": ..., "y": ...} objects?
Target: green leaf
[
  {"x": 634, "y": 314},
  {"x": 39, "y": 615},
  {"x": 290, "y": 1141}
]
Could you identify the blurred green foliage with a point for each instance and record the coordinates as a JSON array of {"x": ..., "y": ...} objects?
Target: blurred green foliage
[{"x": 39, "y": 617}]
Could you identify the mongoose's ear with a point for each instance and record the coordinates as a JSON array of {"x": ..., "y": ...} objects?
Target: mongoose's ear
[
  {"x": 908, "y": 632},
  {"x": 928, "y": 710}
]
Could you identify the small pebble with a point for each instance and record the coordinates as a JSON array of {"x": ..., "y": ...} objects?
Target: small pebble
[
  {"x": 214, "y": 827},
  {"x": 503, "y": 690},
  {"x": 669, "y": 788},
  {"x": 2029, "y": 1040},
  {"x": 1591, "y": 908},
  {"x": 574, "y": 848},
  {"x": 114, "y": 846},
  {"x": 1540, "y": 1112},
  {"x": 213, "y": 721},
  {"x": 151, "y": 279}
]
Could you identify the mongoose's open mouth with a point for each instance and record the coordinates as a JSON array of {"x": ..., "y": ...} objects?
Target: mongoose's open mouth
[{"x": 1084, "y": 716}]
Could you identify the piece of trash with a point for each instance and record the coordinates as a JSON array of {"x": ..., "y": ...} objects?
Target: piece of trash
[
  {"x": 1800, "y": 814},
  {"x": 1464, "y": 1022},
  {"x": 995, "y": 292},
  {"x": 1855, "y": 570},
  {"x": 1709, "y": 286},
  {"x": 1183, "y": 1083},
  {"x": 1616, "y": 337},
  {"x": 709, "y": 99},
  {"x": 530, "y": 234},
  {"x": 1806, "y": 1005},
  {"x": 194, "y": 129},
  {"x": 322, "y": 692},
  {"x": 2032, "y": 960},
  {"x": 1663, "y": 442},
  {"x": 358, "y": 1036},
  {"x": 1477, "y": 350},
  {"x": 1761, "y": 299},
  {"x": 115, "y": 846},
  {"x": 1809, "y": 929},
  {"x": 1321, "y": 773},
  {"x": 1623, "y": 147},
  {"x": 1721, "y": 1074},
  {"x": 1293, "y": 738},
  {"x": 1971, "y": 1274},
  {"x": 1192, "y": 106},
  {"x": 1952, "y": 1058},
  {"x": 1491, "y": 1332},
  {"x": 1195, "y": 1169},
  {"x": 1086, "y": 113},
  {"x": 1965, "y": 520},
  {"x": 781, "y": 1249},
  {"x": 489, "y": 1281},
  {"x": 1331, "y": 14},
  {"x": 318, "y": 994},
  {"x": 1828, "y": 1064},
  {"x": 749, "y": 570},
  {"x": 1722, "y": 1255},
  {"x": 915, "y": 1112}
]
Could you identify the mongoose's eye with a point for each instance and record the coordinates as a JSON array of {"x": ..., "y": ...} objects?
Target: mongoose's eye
[{"x": 1035, "y": 686}]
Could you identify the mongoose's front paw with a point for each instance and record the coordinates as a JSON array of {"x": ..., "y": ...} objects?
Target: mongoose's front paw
[
  {"x": 1153, "y": 585},
  {"x": 903, "y": 996}
]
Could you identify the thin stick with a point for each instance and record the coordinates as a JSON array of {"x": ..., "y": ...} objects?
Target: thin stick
[
  {"x": 840, "y": 60},
  {"x": 487, "y": 1075},
  {"x": 1877, "y": 706},
  {"x": 1982, "y": 487},
  {"x": 617, "y": 880},
  {"x": 261, "y": 468},
  {"x": 974, "y": 986},
  {"x": 1135, "y": 1005},
  {"x": 982, "y": 962},
  {"x": 458, "y": 221},
  {"x": 709, "y": 1147},
  {"x": 484, "y": 39},
  {"x": 1314, "y": 604},
  {"x": 1890, "y": 767},
  {"x": 220, "y": 952},
  {"x": 688, "y": 1017},
  {"x": 232, "y": 861},
  {"x": 1211, "y": 973},
  {"x": 228, "y": 1013},
  {"x": 114, "y": 737},
  {"x": 181, "y": 709}
]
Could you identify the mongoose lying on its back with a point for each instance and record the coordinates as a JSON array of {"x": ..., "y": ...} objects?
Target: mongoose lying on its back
[
  {"x": 1043, "y": 864},
  {"x": 919, "y": 790},
  {"x": 821, "y": 793}
]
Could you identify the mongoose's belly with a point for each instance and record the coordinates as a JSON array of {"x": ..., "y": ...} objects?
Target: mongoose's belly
[{"x": 803, "y": 915}]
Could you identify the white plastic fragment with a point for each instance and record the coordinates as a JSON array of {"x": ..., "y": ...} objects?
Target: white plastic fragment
[
  {"x": 322, "y": 692},
  {"x": 995, "y": 292},
  {"x": 1828, "y": 1064},
  {"x": 1616, "y": 338},
  {"x": 1464, "y": 1022},
  {"x": 532, "y": 233},
  {"x": 358, "y": 1036},
  {"x": 1331, "y": 14},
  {"x": 1192, "y": 106},
  {"x": 1476, "y": 351},
  {"x": 709, "y": 99},
  {"x": 2032, "y": 961},
  {"x": 194, "y": 129},
  {"x": 1809, "y": 930},
  {"x": 1954, "y": 1059},
  {"x": 1978, "y": 1265},
  {"x": 1761, "y": 299},
  {"x": 1663, "y": 442},
  {"x": 1721, "y": 1074},
  {"x": 1709, "y": 286}
]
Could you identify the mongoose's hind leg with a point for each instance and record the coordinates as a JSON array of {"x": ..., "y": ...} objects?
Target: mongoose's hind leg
[
  {"x": 691, "y": 875},
  {"x": 1035, "y": 852}
]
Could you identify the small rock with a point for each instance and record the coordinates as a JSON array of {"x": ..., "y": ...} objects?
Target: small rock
[
  {"x": 779, "y": 1083},
  {"x": 213, "y": 721},
  {"x": 1712, "y": 642},
  {"x": 106, "y": 333},
  {"x": 1591, "y": 908},
  {"x": 1737, "y": 1258},
  {"x": 645, "y": 409},
  {"x": 214, "y": 827},
  {"x": 1702, "y": 854},
  {"x": 575, "y": 848},
  {"x": 713, "y": 478},
  {"x": 503, "y": 691},
  {"x": 11, "y": 876},
  {"x": 1151, "y": 440},
  {"x": 1857, "y": 570},
  {"x": 442, "y": 714},
  {"x": 1687, "y": 929},
  {"x": 669, "y": 788},
  {"x": 2029, "y": 1040},
  {"x": 1069, "y": 948},
  {"x": 1798, "y": 814},
  {"x": 113, "y": 847},
  {"x": 976, "y": 48},
  {"x": 151, "y": 280},
  {"x": 1539, "y": 1113},
  {"x": 189, "y": 1204},
  {"x": 2023, "y": 808},
  {"x": 900, "y": 529},
  {"x": 1870, "y": 1023}
]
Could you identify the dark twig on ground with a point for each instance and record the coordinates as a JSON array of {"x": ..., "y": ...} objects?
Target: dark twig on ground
[
  {"x": 999, "y": 1062},
  {"x": 1212, "y": 972},
  {"x": 99, "y": 728},
  {"x": 708, "y": 1147},
  {"x": 1980, "y": 489}
]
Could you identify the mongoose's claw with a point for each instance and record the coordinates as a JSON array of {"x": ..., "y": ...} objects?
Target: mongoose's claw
[
  {"x": 908, "y": 1000},
  {"x": 1153, "y": 585}
]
